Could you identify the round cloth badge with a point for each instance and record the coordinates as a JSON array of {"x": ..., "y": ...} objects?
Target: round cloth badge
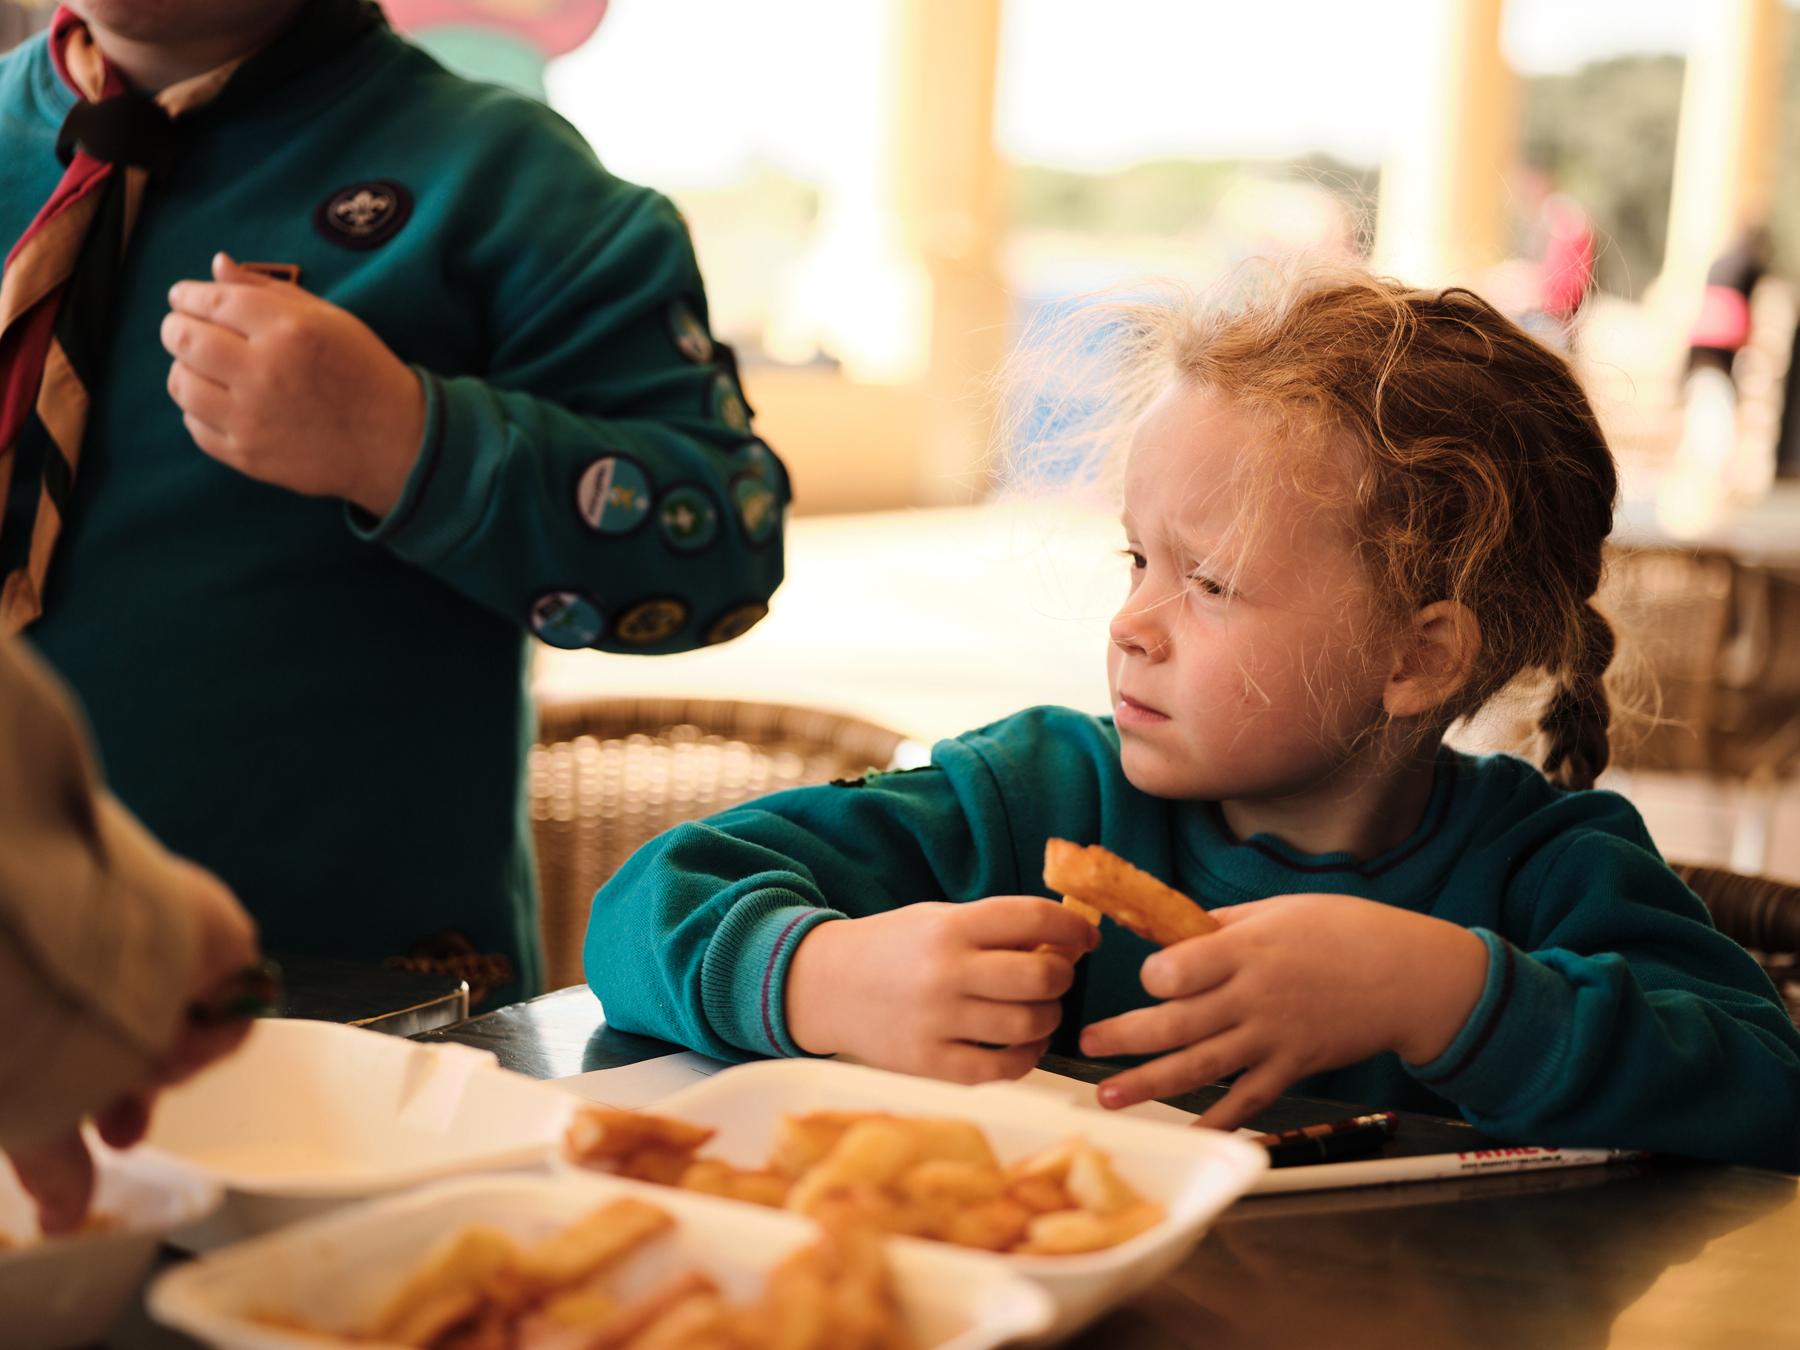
[
  {"x": 758, "y": 459},
  {"x": 687, "y": 333},
  {"x": 651, "y": 621},
  {"x": 734, "y": 623},
  {"x": 567, "y": 619},
  {"x": 757, "y": 507},
  {"x": 364, "y": 215},
  {"x": 612, "y": 495},
  {"x": 726, "y": 404},
  {"x": 688, "y": 519}
]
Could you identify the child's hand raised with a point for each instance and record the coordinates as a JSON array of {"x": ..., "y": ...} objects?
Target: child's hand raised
[
  {"x": 964, "y": 992},
  {"x": 290, "y": 389},
  {"x": 1291, "y": 986}
]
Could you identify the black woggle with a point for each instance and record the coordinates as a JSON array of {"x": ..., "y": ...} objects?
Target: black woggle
[{"x": 125, "y": 129}]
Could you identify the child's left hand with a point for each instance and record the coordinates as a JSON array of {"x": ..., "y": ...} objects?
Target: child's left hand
[{"x": 1291, "y": 986}]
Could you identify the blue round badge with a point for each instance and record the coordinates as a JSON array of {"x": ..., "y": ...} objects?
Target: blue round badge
[
  {"x": 757, "y": 507},
  {"x": 567, "y": 619},
  {"x": 613, "y": 495},
  {"x": 688, "y": 519}
]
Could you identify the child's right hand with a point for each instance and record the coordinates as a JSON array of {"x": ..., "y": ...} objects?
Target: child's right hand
[{"x": 963, "y": 992}]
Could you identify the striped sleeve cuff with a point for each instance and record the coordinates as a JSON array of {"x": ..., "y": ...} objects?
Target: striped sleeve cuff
[
  {"x": 1514, "y": 1042},
  {"x": 744, "y": 978}
]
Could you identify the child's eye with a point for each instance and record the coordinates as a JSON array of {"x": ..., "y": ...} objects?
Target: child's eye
[
  {"x": 1138, "y": 560},
  {"x": 1205, "y": 584}
]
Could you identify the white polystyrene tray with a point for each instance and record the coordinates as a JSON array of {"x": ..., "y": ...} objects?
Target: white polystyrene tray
[
  {"x": 310, "y": 1115},
  {"x": 1192, "y": 1173},
  {"x": 338, "y": 1271},
  {"x": 66, "y": 1291}
]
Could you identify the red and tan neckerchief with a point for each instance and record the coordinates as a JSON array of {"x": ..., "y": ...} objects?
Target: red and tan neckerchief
[{"x": 57, "y": 289}]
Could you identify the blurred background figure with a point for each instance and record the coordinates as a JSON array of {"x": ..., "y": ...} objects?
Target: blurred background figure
[{"x": 1711, "y": 464}]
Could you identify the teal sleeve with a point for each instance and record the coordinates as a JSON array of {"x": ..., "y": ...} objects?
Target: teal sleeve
[
  {"x": 691, "y": 939},
  {"x": 596, "y": 478},
  {"x": 1630, "y": 1022}
]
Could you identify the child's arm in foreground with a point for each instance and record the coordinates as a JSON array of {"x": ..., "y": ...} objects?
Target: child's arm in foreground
[
  {"x": 816, "y": 922},
  {"x": 1599, "y": 1019}
]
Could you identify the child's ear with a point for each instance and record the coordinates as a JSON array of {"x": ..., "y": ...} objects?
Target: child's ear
[{"x": 1433, "y": 659}]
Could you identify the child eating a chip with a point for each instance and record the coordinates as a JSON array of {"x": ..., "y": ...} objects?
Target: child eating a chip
[{"x": 1354, "y": 513}]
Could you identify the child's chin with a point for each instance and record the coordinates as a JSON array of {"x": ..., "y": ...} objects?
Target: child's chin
[{"x": 1156, "y": 776}]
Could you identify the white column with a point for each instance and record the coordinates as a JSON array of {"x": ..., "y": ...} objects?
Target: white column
[
  {"x": 1444, "y": 180},
  {"x": 1725, "y": 148}
]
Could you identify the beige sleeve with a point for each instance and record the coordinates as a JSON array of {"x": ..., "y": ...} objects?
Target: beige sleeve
[{"x": 98, "y": 940}]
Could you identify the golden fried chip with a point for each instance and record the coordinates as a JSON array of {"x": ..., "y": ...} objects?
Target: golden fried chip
[
  {"x": 944, "y": 1179},
  {"x": 1069, "y": 1231},
  {"x": 591, "y": 1244},
  {"x": 802, "y": 1141},
  {"x": 993, "y": 1225},
  {"x": 715, "y": 1177},
  {"x": 603, "y": 1139},
  {"x": 1104, "y": 881},
  {"x": 872, "y": 1151},
  {"x": 1094, "y": 1185},
  {"x": 1039, "y": 1194},
  {"x": 448, "y": 1287},
  {"x": 950, "y": 1139}
]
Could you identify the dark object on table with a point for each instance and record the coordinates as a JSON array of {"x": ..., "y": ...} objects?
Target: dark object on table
[
  {"x": 399, "y": 1002},
  {"x": 255, "y": 991},
  {"x": 609, "y": 774},
  {"x": 1758, "y": 913},
  {"x": 1334, "y": 1140}
]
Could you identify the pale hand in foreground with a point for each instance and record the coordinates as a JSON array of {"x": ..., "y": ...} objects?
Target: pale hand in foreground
[
  {"x": 928, "y": 988},
  {"x": 290, "y": 389},
  {"x": 58, "y": 1173},
  {"x": 1291, "y": 986}
]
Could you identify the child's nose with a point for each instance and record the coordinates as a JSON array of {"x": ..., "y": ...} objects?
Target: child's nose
[{"x": 1134, "y": 633}]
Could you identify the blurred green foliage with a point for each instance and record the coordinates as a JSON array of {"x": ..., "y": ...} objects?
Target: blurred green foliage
[
  {"x": 1606, "y": 136},
  {"x": 1171, "y": 196}
]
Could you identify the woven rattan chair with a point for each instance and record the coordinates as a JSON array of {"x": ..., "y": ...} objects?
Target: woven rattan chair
[
  {"x": 1757, "y": 913},
  {"x": 609, "y": 774},
  {"x": 1716, "y": 644}
]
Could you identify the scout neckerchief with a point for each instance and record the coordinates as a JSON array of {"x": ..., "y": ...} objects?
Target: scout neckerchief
[{"x": 56, "y": 293}]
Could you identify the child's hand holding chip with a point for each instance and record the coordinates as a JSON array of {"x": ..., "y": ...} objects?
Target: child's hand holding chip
[
  {"x": 961, "y": 992},
  {"x": 1291, "y": 986}
]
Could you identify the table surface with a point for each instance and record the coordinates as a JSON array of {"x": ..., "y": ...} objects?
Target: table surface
[{"x": 1662, "y": 1254}]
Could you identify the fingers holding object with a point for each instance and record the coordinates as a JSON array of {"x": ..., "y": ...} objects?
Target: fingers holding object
[
  {"x": 210, "y": 350},
  {"x": 1023, "y": 922}
]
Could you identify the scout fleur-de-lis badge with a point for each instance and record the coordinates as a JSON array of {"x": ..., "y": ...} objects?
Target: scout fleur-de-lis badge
[{"x": 364, "y": 215}]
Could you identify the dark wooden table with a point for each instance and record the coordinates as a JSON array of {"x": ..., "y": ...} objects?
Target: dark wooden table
[{"x": 1662, "y": 1254}]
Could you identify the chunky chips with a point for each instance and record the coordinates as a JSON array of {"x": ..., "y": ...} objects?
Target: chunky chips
[
  {"x": 480, "y": 1290},
  {"x": 925, "y": 1177},
  {"x": 1094, "y": 881}
]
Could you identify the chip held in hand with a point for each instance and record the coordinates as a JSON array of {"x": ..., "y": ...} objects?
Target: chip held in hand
[{"x": 1094, "y": 881}]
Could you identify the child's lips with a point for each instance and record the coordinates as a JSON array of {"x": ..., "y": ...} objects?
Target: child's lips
[{"x": 1129, "y": 712}]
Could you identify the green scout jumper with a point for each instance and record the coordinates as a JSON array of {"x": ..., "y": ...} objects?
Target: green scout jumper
[
  {"x": 329, "y": 709},
  {"x": 1614, "y": 1015}
]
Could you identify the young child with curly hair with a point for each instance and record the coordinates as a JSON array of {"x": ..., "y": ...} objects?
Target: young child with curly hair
[{"x": 1354, "y": 513}]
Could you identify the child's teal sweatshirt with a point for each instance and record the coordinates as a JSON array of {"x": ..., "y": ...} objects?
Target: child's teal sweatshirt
[
  {"x": 1614, "y": 1015},
  {"x": 328, "y": 709}
]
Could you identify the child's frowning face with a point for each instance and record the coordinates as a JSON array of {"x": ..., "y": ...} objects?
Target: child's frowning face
[{"x": 1240, "y": 666}]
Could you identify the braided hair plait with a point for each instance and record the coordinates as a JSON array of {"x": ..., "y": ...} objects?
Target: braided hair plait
[{"x": 1575, "y": 723}]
